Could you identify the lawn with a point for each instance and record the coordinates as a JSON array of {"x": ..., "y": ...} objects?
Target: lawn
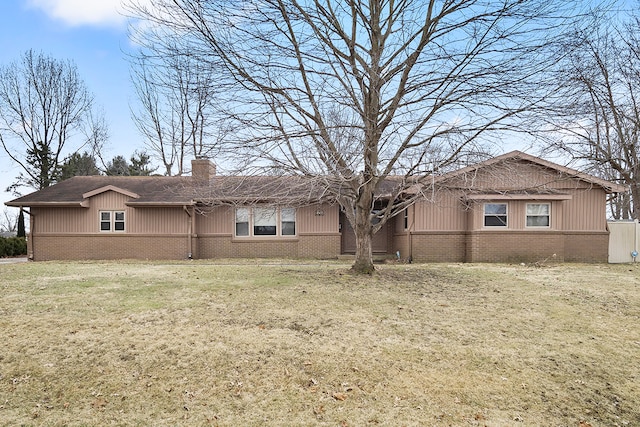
[{"x": 254, "y": 344}]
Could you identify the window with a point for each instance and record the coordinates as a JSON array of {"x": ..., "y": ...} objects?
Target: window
[
  {"x": 105, "y": 221},
  {"x": 242, "y": 222},
  {"x": 288, "y": 218},
  {"x": 265, "y": 221},
  {"x": 495, "y": 215},
  {"x": 538, "y": 214},
  {"x": 112, "y": 221},
  {"x": 406, "y": 218}
]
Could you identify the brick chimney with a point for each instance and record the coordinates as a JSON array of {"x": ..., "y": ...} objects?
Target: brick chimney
[{"x": 202, "y": 169}]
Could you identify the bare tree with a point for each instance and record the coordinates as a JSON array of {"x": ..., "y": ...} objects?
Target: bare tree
[
  {"x": 598, "y": 111},
  {"x": 417, "y": 85},
  {"x": 175, "y": 96},
  {"x": 43, "y": 102},
  {"x": 8, "y": 221}
]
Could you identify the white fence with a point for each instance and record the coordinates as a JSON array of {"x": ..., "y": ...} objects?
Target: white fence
[{"x": 624, "y": 241}]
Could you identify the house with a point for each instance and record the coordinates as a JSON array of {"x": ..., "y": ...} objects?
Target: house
[{"x": 512, "y": 208}]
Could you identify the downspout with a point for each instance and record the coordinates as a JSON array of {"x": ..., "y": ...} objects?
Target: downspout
[
  {"x": 189, "y": 232},
  {"x": 411, "y": 225},
  {"x": 32, "y": 223}
]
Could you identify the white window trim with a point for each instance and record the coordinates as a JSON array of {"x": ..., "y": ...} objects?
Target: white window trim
[
  {"x": 535, "y": 227},
  {"x": 278, "y": 234},
  {"x": 112, "y": 221},
  {"x": 484, "y": 216}
]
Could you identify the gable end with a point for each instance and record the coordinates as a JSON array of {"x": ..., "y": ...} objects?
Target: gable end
[{"x": 110, "y": 188}]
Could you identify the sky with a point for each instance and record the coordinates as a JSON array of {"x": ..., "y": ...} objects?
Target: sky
[{"x": 93, "y": 35}]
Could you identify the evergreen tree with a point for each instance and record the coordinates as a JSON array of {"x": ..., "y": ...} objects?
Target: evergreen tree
[
  {"x": 141, "y": 164},
  {"x": 117, "y": 167},
  {"x": 21, "y": 227},
  {"x": 79, "y": 165}
]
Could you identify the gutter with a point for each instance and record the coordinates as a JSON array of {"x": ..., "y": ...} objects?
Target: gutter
[
  {"x": 189, "y": 231},
  {"x": 410, "y": 236}
]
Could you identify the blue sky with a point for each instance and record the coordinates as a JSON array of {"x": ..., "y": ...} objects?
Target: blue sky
[{"x": 92, "y": 34}]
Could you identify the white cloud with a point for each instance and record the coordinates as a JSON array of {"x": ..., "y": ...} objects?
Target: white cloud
[{"x": 83, "y": 12}]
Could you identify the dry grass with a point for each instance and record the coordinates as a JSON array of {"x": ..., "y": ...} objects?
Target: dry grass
[{"x": 312, "y": 345}]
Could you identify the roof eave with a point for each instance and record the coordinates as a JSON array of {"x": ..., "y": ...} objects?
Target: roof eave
[
  {"x": 158, "y": 204},
  {"x": 69, "y": 204}
]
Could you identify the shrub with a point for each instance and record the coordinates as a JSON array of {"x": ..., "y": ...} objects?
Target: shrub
[{"x": 13, "y": 246}]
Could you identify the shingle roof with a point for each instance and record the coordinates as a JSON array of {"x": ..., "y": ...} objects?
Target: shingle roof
[
  {"x": 73, "y": 191},
  {"x": 163, "y": 191}
]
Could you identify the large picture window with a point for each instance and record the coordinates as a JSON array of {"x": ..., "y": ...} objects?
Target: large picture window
[
  {"x": 265, "y": 221},
  {"x": 112, "y": 221},
  {"x": 538, "y": 215},
  {"x": 495, "y": 214}
]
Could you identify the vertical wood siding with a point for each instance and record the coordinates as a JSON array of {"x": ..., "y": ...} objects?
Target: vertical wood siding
[
  {"x": 158, "y": 221},
  {"x": 220, "y": 220},
  {"x": 517, "y": 175},
  {"x": 216, "y": 220},
  {"x": 63, "y": 220},
  {"x": 587, "y": 211},
  {"x": 308, "y": 222},
  {"x": 444, "y": 212},
  {"x": 87, "y": 220}
]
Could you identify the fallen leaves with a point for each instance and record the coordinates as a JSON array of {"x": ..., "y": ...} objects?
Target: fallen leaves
[
  {"x": 339, "y": 396},
  {"x": 99, "y": 403}
]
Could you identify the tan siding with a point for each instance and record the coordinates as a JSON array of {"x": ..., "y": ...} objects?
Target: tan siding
[
  {"x": 518, "y": 175},
  {"x": 158, "y": 221},
  {"x": 445, "y": 212},
  {"x": 586, "y": 211},
  {"x": 308, "y": 222},
  {"x": 517, "y": 215},
  {"x": 83, "y": 220},
  {"x": 217, "y": 220},
  {"x": 220, "y": 220},
  {"x": 63, "y": 220},
  {"x": 107, "y": 201}
]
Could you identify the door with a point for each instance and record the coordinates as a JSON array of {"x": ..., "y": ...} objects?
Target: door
[{"x": 378, "y": 245}]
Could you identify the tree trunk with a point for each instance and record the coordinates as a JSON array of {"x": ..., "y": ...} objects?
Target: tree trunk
[
  {"x": 364, "y": 257},
  {"x": 363, "y": 229},
  {"x": 635, "y": 201}
]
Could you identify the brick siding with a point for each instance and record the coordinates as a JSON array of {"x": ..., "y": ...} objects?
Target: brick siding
[
  {"x": 426, "y": 247},
  {"x": 438, "y": 247},
  {"x": 319, "y": 246},
  {"x": 586, "y": 247},
  {"x": 490, "y": 246},
  {"x": 70, "y": 247},
  {"x": 510, "y": 246}
]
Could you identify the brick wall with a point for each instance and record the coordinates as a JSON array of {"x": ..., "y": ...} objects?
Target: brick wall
[
  {"x": 427, "y": 247},
  {"x": 513, "y": 246},
  {"x": 586, "y": 247},
  {"x": 438, "y": 247},
  {"x": 539, "y": 246},
  {"x": 319, "y": 246},
  {"x": 65, "y": 247},
  {"x": 505, "y": 246}
]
